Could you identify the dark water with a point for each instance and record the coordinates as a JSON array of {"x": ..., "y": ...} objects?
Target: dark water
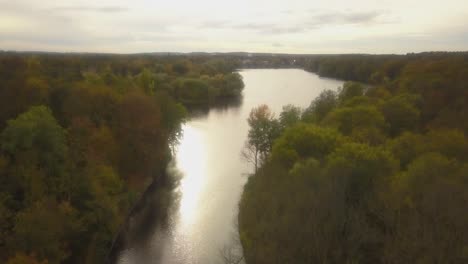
[{"x": 203, "y": 222}]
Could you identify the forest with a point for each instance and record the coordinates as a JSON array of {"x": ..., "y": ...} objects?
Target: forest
[
  {"x": 82, "y": 136},
  {"x": 375, "y": 172}
]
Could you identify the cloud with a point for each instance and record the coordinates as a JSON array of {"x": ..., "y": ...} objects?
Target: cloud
[
  {"x": 299, "y": 26},
  {"x": 275, "y": 30},
  {"x": 253, "y": 26},
  {"x": 100, "y": 9},
  {"x": 259, "y": 28},
  {"x": 271, "y": 29},
  {"x": 312, "y": 20},
  {"x": 215, "y": 24},
  {"x": 361, "y": 17},
  {"x": 319, "y": 19}
]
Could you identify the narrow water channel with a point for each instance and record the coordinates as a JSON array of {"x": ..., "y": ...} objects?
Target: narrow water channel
[{"x": 212, "y": 171}]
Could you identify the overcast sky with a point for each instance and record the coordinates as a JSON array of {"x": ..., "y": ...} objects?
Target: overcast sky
[{"x": 287, "y": 26}]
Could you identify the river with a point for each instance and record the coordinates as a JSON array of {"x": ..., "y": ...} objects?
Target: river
[{"x": 212, "y": 170}]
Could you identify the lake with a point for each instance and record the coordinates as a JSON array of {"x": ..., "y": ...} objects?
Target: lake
[{"x": 203, "y": 222}]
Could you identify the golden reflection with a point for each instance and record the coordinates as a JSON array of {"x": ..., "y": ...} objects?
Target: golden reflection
[{"x": 191, "y": 161}]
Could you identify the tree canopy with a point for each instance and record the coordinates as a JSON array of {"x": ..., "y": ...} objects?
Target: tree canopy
[
  {"x": 371, "y": 173},
  {"x": 82, "y": 136}
]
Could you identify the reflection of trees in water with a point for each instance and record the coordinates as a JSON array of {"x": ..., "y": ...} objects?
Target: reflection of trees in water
[
  {"x": 145, "y": 233},
  {"x": 146, "y": 237},
  {"x": 220, "y": 106},
  {"x": 231, "y": 252},
  {"x": 146, "y": 253}
]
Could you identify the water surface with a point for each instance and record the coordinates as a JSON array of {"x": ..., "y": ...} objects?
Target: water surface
[{"x": 213, "y": 173}]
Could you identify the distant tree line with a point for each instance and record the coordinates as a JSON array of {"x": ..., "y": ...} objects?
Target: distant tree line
[{"x": 367, "y": 174}]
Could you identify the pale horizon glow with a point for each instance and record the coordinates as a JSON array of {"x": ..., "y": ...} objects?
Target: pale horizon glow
[{"x": 294, "y": 26}]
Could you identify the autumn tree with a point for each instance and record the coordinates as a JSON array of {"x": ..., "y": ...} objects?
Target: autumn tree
[
  {"x": 264, "y": 128},
  {"x": 141, "y": 136},
  {"x": 380, "y": 176}
]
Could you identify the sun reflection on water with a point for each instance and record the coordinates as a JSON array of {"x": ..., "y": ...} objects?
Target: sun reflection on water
[{"x": 192, "y": 162}]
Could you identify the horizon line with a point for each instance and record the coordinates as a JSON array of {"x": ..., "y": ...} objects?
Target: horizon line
[{"x": 219, "y": 53}]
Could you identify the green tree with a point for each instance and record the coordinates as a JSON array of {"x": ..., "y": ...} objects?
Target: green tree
[
  {"x": 360, "y": 167},
  {"x": 450, "y": 142},
  {"x": 346, "y": 119},
  {"x": 321, "y": 106},
  {"x": 233, "y": 85},
  {"x": 147, "y": 81},
  {"x": 400, "y": 114},
  {"x": 264, "y": 128},
  {"x": 350, "y": 90},
  {"x": 36, "y": 146},
  {"x": 194, "y": 91},
  {"x": 407, "y": 147},
  {"x": 181, "y": 67},
  {"x": 305, "y": 141},
  {"x": 173, "y": 116},
  {"x": 430, "y": 198},
  {"x": 391, "y": 190},
  {"x": 289, "y": 116}
]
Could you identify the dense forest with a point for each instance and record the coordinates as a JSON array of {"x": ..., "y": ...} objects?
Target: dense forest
[
  {"x": 375, "y": 172},
  {"x": 82, "y": 136}
]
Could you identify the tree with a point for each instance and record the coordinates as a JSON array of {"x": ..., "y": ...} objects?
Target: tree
[
  {"x": 194, "y": 91},
  {"x": 360, "y": 167},
  {"x": 321, "y": 106},
  {"x": 181, "y": 67},
  {"x": 66, "y": 185},
  {"x": 350, "y": 90},
  {"x": 289, "y": 116},
  {"x": 141, "y": 138},
  {"x": 233, "y": 85},
  {"x": 392, "y": 189},
  {"x": 146, "y": 79},
  {"x": 264, "y": 128},
  {"x": 407, "y": 147},
  {"x": 400, "y": 114},
  {"x": 428, "y": 213},
  {"x": 451, "y": 143},
  {"x": 42, "y": 229},
  {"x": 36, "y": 145},
  {"x": 305, "y": 141},
  {"x": 97, "y": 103},
  {"x": 346, "y": 119},
  {"x": 173, "y": 116}
]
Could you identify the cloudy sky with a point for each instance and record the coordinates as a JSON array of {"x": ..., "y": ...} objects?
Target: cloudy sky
[{"x": 288, "y": 26}]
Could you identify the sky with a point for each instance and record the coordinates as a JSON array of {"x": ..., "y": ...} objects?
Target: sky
[{"x": 286, "y": 26}]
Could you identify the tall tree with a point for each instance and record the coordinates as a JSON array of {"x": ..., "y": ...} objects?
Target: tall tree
[{"x": 264, "y": 128}]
